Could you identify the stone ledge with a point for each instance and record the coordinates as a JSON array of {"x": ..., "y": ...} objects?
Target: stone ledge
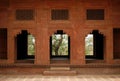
[
  {"x": 50, "y": 72},
  {"x": 60, "y": 68},
  {"x": 26, "y": 65}
]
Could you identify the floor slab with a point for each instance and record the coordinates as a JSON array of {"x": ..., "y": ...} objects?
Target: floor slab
[{"x": 59, "y": 78}]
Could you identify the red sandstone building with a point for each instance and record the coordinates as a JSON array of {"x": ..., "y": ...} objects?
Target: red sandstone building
[{"x": 44, "y": 18}]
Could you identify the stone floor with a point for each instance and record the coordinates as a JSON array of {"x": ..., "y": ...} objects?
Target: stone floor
[{"x": 60, "y": 78}]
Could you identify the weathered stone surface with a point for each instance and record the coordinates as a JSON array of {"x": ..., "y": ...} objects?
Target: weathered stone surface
[{"x": 77, "y": 27}]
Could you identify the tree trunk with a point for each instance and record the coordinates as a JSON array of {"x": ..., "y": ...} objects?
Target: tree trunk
[{"x": 58, "y": 46}]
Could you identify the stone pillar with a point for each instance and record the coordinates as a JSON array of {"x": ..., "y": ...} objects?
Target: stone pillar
[
  {"x": 77, "y": 48},
  {"x": 42, "y": 38},
  {"x": 42, "y": 47},
  {"x": 82, "y": 48},
  {"x": 11, "y": 46},
  {"x": 109, "y": 46}
]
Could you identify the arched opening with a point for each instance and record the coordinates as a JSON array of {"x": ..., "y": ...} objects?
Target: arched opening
[
  {"x": 116, "y": 43},
  {"x": 59, "y": 46},
  {"x": 3, "y": 43},
  {"x": 94, "y": 46},
  {"x": 25, "y": 46}
]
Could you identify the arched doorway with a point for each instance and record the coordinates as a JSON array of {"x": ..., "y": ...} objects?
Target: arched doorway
[
  {"x": 116, "y": 43},
  {"x": 3, "y": 43},
  {"x": 25, "y": 47},
  {"x": 59, "y": 46},
  {"x": 94, "y": 45}
]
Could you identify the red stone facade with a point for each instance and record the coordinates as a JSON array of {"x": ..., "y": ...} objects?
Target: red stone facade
[{"x": 77, "y": 27}]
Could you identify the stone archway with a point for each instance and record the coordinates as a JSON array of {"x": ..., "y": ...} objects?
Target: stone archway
[
  {"x": 25, "y": 46},
  {"x": 60, "y": 45},
  {"x": 3, "y": 43},
  {"x": 116, "y": 43},
  {"x": 94, "y": 45}
]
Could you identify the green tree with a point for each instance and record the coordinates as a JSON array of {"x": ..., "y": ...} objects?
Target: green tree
[
  {"x": 89, "y": 45},
  {"x": 31, "y": 45},
  {"x": 59, "y": 44}
]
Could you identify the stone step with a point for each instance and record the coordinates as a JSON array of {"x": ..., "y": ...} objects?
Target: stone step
[
  {"x": 25, "y": 61},
  {"x": 65, "y": 73},
  {"x": 59, "y": 61},
  {"x": 60, "y": 68}
]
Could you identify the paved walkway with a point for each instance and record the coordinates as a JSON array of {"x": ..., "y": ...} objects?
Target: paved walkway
[{"x": 60, "y": 78}]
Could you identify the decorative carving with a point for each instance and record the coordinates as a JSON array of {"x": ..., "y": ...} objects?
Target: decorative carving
[
  {"x": 24, "y": 14},
  {"x": 19, "y": 31},
  {"x": 95, "y": 14},
  {"x": 90, "y": 31},
  {"x": 60, "y": 14}
]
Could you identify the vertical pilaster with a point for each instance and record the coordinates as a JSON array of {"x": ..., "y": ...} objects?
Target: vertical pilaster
[
  {"x": 77, "y": 48},
  {"x": 11, "y": 46},
  {"x": 109, "y": 46}
]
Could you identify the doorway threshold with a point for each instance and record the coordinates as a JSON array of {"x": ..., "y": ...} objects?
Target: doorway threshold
[
  {"x": 59, "y": 61},
  {"x": 26, "y": 61},
  {"x": 59, "y": 58}
]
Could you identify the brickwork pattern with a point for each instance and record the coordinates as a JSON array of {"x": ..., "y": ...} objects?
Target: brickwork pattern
[{"x": 59, "y": 78}]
